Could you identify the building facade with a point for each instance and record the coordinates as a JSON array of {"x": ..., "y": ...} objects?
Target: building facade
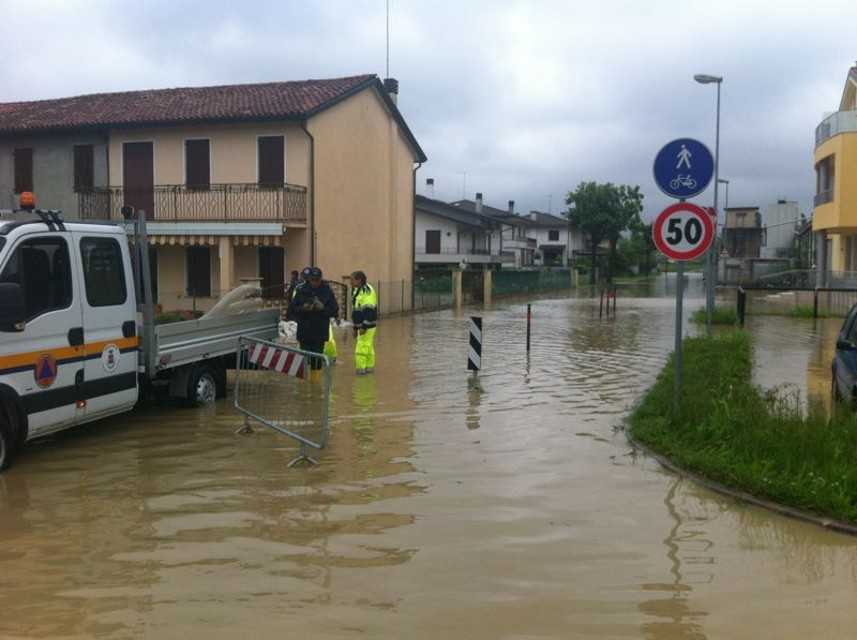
[
  {"x": 781, "y": 220},
  {"x": 743, "y": 234},
  {"x": 239, "y": 183},
  {"x": 447, "y": 236},
  {"x": 835, "y": 215}
]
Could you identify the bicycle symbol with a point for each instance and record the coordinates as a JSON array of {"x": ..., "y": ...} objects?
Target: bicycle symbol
[{"x": 683, "y": 181}]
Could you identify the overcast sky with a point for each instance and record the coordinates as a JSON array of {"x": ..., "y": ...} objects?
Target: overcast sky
[{"x": 529, "y": 98}]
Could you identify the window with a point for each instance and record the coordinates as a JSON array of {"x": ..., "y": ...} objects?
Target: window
[
  {"x": 197, "y": 164},
  {"x": 84, "y": 167},
  {"x": 272, "y": 270},
  {"x": 825, "y": 175},
  {"x": 42, "y": 267},
  {"x": 23, "y": 170},
  {"x": 103, "y": 272},
  {"x": 198, "y": 272},
  {"x": 553, "y": 235},
  {"x": 433, "y": 241},
  {"x": 272, "y": 161}
]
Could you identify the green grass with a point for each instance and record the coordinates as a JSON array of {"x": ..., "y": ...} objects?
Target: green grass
[
  {"x": 733, "y": 432},
  {"x": 806, "y": 311},
  {"x": 721, "y": 315}
]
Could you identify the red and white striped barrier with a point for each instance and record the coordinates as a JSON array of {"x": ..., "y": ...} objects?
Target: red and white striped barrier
[{"x": 279, "y": 360}]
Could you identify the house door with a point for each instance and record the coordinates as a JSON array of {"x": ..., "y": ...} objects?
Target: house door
[
  {"x": 138, "y": 176},
  {"x": 272, "y": 270},
  {"x": 433, "y": 241}
]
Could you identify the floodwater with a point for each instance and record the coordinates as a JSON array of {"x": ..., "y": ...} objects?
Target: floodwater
[{"x": 444, "y": 507}]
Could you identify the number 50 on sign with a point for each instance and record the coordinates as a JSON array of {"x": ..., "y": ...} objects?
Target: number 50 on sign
[{"x": 683, "y": 231}]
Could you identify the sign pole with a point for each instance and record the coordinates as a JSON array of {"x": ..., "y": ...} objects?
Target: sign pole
[{"x": 679, "y": 301}]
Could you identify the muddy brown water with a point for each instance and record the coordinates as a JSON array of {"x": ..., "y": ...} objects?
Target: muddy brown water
[{"x": 443, "y": 507}]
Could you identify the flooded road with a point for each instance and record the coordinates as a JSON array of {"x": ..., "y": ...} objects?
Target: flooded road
[{"x": 507, "y": 507}]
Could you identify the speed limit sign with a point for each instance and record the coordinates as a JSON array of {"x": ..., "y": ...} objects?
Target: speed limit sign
[{"x": 683, "y": 231}]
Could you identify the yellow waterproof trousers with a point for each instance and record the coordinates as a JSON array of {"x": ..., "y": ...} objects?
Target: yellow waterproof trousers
[{"x": 364, "y": 351}]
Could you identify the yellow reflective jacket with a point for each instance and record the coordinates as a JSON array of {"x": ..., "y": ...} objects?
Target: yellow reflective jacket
[{"x": 365, "y": 307}]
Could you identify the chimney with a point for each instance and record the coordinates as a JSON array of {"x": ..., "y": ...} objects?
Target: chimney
[
  {"x": 478, "y": 203},
  {"x": 511, "y": 207},
  {"x": 391, "y": 85},
  {"x": 430, "y": 187},
  {"x": 534, "y": 216}
]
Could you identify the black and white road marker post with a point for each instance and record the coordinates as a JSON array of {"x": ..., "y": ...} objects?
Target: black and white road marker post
[{"x": 474, "y": 352}]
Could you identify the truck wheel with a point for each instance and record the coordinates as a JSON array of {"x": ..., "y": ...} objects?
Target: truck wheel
[
  {"x": 203, "y": 387},
  {"x": 7, "y": 441}
]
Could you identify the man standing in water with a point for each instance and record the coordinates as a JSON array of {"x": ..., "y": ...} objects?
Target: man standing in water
[
  {"x": 312, "y": 307},
  {"x": 365, "y": 318}
]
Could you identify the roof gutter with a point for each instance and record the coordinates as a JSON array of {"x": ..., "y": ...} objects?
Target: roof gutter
[{"x": 311, "y": 193}]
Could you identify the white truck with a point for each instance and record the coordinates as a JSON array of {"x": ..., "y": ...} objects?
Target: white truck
[{"x": 78, "y": 340}]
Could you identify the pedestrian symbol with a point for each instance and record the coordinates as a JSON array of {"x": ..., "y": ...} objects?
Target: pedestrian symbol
[
  {"x": 683, "y": 168},
  {"x": 683, "y": 157}
]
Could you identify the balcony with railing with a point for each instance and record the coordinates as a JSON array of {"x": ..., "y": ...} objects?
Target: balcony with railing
[
  {"x": 834, "y": 124},
  {"x": 440, "y": 255},
  {"x": 250, "y": 202}
]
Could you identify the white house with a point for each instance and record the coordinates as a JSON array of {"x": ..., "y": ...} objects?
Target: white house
[
  {"x": 447, "y": 235},
  {"x": 780, "y": 220}
]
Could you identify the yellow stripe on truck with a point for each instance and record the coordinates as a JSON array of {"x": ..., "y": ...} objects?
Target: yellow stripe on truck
[{"x": 18, "y": 360}]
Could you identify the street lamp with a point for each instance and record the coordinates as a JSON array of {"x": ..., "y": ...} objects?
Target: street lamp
[{"x": 702, "y": 78}]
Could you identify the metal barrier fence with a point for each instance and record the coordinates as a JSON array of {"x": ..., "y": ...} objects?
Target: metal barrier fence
[{"x": 274, "y": 386}]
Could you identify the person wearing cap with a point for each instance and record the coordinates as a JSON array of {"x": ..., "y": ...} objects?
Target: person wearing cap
[
  {"x": 312, "y": 307},
  {"x": 365, "y": 318}
]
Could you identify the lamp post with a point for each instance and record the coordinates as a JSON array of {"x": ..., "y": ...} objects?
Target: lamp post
[
  {"x": 722, "y": 224},
  {"x": 702, "y": 78}
]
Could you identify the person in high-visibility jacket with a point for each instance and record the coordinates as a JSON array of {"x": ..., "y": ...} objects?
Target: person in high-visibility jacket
[{"x": 365, "y": 318}]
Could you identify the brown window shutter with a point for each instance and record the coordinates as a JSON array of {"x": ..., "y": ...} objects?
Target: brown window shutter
[
  {"x": 84, "y": 167},
  {"x": 23, "y": 170},
  {"x": 199, "y": 272},
  {"x": 272, "y": 162},
  {"x": 197, "y": 164}
]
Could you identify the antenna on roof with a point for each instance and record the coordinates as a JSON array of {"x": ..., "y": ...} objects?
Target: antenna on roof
[{"x": 388, "y": 40}]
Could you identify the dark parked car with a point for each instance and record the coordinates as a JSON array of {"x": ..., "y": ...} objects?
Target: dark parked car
[{"x": 845, "y": 361}]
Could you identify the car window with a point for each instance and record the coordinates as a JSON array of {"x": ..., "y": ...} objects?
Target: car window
[
  {"x": 43, "y": 269},
  {"x": 103, "y": 272}
]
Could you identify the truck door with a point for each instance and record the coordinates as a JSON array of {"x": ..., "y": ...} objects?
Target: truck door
[
  {"x": 109, "y": 320},
  {"x": 44, "y": 363}
]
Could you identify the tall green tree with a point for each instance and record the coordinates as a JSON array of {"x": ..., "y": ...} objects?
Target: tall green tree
[{"x": 602, "y": 211}]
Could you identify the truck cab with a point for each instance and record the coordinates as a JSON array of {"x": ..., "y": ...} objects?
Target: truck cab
[
  {"x": 68, "y": 330},
  {"x": 78, "y": 335}
]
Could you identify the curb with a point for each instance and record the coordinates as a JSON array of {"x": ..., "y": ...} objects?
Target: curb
[{"x": 831, "y": 524}]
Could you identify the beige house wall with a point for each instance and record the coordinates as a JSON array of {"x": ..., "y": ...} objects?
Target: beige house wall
[
  {"x": 364, "y": 191},
  {"x": 172, "y": 279},
  {"x": 246, "y": 263},
  {"x": 232, "y": 147}
]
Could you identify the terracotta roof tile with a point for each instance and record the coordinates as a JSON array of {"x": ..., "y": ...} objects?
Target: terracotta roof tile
[{"x": 271, "y": 100}]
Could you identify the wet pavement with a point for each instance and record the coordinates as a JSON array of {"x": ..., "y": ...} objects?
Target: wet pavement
[{"x": 503, "y": 507}]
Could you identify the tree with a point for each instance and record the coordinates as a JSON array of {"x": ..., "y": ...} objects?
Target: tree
[
  {"x": 602, "y": 211},
  {"x": 637, "y": 248}
]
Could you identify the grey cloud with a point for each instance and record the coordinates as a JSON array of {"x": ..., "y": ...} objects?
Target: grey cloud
[{"x": 529, "y": 98}]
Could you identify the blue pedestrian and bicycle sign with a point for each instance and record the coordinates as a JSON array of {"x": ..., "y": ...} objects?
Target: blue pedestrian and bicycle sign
[{"x": 683, "y": 168}]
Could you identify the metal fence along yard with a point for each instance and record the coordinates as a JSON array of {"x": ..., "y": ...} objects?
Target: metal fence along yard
[{"x": 531, "y": 281}]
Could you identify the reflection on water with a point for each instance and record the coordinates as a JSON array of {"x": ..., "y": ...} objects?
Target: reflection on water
[{"x": 497, "y": 506}]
